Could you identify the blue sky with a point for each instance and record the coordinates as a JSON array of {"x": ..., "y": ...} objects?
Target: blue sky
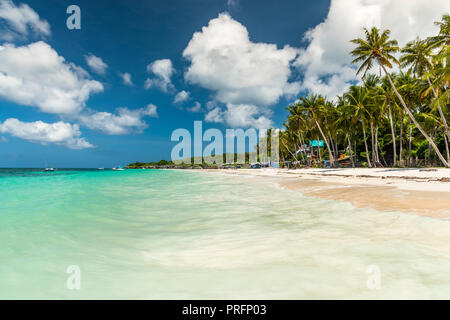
[{"x": 74, "y": 78}]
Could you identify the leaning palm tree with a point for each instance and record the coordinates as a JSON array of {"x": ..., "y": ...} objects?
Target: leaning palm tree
[
  {"x": 418, "y": 56},
  {"x": 285, "y": 137},
  {"x": 379, "y": 48},
  {"x": 410, "y": 89},
  {"x": 441, "y": 71},
  {"x": 441, "y": 77}
]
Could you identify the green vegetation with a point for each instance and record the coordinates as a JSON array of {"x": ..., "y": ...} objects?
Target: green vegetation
[
  {"x": 190, "y": 164},
  {"x": 399, "y": 119},
  {"x": 138, "y": 164}
]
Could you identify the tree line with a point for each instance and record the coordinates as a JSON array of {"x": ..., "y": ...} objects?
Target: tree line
[{"x": 388, "y": 119}]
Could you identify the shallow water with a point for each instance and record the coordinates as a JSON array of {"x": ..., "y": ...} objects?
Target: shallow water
[{"x": 183, "y": 235}]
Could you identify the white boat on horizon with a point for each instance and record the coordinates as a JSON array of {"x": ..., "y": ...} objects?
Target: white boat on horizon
[{"x": 49, "y": 169}]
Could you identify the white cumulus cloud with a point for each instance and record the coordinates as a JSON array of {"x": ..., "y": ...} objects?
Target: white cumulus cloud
[
  {"x": 240, "y": 116},
  {"x": 60, "y": 133},
  {"x": 214, "y": 115},
  {"x": 35, "y": 75},
  {"x": 225, "y": 60},
  {"x": 20, "y": 20},
  {"x": 126, "y": 79},
  {"x": 96, "y": 64},
  {"x": 125, "y": 121},
  {"x": 197, "y": 107},
  {"x": 181, "y": 97},
  {"x": 162, "y": 71},
  {"x": 326, "y": 60}
]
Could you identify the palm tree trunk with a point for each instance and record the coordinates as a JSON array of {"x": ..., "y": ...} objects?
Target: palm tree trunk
[
  {"x": 441, "y": 113},
  {"x": 446, "y": 146},
  {"x": 284, "y": 144},
  {"x": 401, "y": 139},
  {"x": 326, "y": 141},
  {"x": 300, "y": 141},
  {"x": 335, "y": 153},
  {"x": 304, "y": 150},
  {"x": 436, "y": 149},
  {"x": 332, "y": 144},
  {"x": 377, "y": 147},
  {"x": 429, "y": 151},
  {"x": 351, "y": 151},
  {"x": 393, "y": 135},
  {"x": 307, "y": 160},
  {"x": 318, "y": 149},
  {"x": 382, "y": 157},
  {"x": 336, "y": 145},
  {"x": 375, "y": 156},
  {"x": 410, "y": 146},
  {"x": 372, "y": 140},
  {"x": 365, "y": 144}
]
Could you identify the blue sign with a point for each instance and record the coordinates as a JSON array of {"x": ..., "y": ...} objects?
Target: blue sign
[{"x": 316, "y": 143}]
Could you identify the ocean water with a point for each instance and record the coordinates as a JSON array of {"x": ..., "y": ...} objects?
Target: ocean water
[{"x": 149, "y": 234}]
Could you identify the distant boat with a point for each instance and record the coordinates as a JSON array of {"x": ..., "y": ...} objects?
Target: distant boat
[
  {"x": 49, "y": 169},
  {"x": 101, "y": 168},
  {"x": 118, "y": 169}
]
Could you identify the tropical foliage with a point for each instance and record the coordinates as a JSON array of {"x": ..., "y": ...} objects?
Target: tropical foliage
[{"x": 388, "y": 119}]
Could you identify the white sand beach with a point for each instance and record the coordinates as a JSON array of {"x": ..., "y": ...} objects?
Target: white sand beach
[{"x": 420, "y": 191}]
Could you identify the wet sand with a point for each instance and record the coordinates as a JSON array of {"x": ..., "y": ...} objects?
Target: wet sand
[{"x": 421, "y": 192}]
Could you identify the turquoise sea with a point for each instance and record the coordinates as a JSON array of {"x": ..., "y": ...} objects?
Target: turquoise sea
[{"x": 150, "y": 234}]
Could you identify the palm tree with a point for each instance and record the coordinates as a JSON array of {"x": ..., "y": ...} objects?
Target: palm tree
[
  {"x": 444, "y": 31},
  {"x": 409, "y": 88},
  {"x": 371, "y": 85},
  {"x": 284, "y": 138},
  {"x": 418, "y": 55},
  {"x": 330, "y": 118},
  {"x": 298, "y": 126},
  {"x": 441, "y": 78},
  {"x": 379, "y": 48},
  {"x": 387, "y": 101},
  {"x": 346, "y": 121},
  {"x": 314, "y": 106},
  {"x": 358, "y": 98},
  {"x": 441, "y": 71}
]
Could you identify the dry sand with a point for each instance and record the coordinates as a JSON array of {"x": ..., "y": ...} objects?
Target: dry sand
[{"x": 420, "y": 191}]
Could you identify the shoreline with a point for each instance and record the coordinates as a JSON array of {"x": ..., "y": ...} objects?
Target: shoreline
[{"x": 417, "y": 191}]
